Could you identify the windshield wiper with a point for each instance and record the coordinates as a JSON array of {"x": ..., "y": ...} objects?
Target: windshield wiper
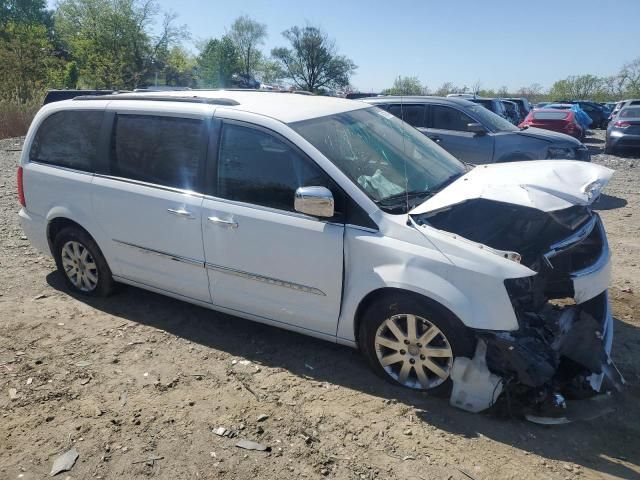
[
  {"x": 392, "y": 199},
  {"x": 448, "y": 182}
]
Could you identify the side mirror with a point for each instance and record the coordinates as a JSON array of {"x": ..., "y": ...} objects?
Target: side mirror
[
  {"x": 476, "y": 128},
  {"x": 314, "y": 201}
]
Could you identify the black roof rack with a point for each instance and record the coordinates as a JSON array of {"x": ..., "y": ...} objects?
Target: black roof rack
[{"x": 162, "y": 98}]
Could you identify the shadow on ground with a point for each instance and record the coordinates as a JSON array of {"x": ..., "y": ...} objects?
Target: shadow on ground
[
  {"x": 609, "y": 202},
  {"x": 603, "y": 444}
]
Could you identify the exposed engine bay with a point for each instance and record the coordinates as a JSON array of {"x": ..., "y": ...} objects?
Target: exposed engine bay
[{"x": 563, "y": 344}]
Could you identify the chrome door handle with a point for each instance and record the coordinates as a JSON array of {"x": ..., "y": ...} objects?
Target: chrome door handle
[
  {"x": 223, "y": 223},
  {"x": 181, "y": 213}
]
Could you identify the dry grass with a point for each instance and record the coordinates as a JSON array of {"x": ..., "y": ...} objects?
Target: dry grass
[{"x": 15, "y": 118}]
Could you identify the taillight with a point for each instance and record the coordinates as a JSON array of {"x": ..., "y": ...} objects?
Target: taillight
[
  {"x": 21, "y": 199},
  {"x": 621, "y": 124}
]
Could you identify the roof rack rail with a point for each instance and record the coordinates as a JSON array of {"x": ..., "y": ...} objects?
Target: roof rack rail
[{"x": 162, "y": 98}]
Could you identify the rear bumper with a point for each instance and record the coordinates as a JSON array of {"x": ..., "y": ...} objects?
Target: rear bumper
[
  {"x": 35, "y": 228},
  {"x": 621, "y": 140}
]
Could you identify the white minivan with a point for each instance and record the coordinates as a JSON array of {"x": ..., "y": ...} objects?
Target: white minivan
[{"x": 332, "y": 218}]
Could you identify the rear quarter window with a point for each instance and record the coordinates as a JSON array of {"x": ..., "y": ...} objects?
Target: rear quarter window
[{"x": 68, "y": 139}]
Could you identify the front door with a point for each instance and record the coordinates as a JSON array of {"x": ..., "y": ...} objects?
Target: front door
[
  {"x": 147, "y": 206},
  {"x": 263, "y": 258},
  {"x": 448, "y": 128}
]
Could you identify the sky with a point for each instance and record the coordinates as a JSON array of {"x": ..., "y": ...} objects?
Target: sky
[{"x": 495, "y": 42}]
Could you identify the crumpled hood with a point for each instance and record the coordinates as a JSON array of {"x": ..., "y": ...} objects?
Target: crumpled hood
[{"x": 546, "y": 185}]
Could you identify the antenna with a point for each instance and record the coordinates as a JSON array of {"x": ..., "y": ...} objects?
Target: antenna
[{"x": 404, "y": 159}]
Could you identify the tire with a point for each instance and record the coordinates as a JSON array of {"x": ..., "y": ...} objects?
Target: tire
[
  {"x": 608, "y": 149},
  {"x": 400, "y": 308},
  {"x": 84, "y": 273}
]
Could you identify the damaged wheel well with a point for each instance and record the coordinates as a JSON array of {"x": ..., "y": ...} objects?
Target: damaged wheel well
[{"x": 380, "y": 293}]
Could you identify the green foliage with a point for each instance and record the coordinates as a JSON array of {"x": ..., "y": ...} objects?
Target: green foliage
[
  {"x": 180, "y": 68},
  {"x": 312, "y": 61},
  {"x": 25, "y": 12},
  {"x": 270, "y": 71},
  {"x": 108, "y": 39},
  {"x": 247, "y": 35},
  {"x": 25, "y": 56},
  {"x": 406, "y": 86},
  {"x": 217, "y": 62}
]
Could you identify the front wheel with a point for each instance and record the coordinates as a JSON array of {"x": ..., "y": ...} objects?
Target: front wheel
[
  {"x": 411, "y": 343},
  {"x": 81, "y": 263}
]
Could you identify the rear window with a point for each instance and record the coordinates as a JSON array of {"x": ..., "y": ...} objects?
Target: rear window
[
  {"x": 550, "y": 115},
  {"x": 630, "y": 112},
  {"x": 68, "y": 139},
  {"x": 161, "y": 150}
]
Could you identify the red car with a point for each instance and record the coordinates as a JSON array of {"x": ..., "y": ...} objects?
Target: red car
[{"x": 562, "y": 121}]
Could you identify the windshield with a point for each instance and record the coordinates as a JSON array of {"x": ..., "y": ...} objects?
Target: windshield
[
  {"x": 393, "y": 163},
  {"x": 493, "y": 122}
]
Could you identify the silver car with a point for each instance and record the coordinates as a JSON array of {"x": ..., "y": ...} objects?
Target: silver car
[
  {"x": 624, "y": 130},
  {"x": 473, "y": 134}
]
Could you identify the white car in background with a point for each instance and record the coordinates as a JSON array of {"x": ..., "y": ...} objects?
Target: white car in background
[{"x": 334, "y": 219}]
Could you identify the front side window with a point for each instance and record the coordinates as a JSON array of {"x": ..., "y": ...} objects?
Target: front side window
[
  {"x": 394, "y": 165},
  {"x": 414, "y": 115},
  {"x": 160, "y": 150},
  {"x": 256, "y": 167},
  {"x": 447, "y": 118},
  {"x": 68, "y": 139}
]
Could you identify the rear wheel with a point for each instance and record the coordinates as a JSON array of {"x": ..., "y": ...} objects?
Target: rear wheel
[
  {"x": 608, "y": 149},
  {"x": 81, "y": 263},
  {"x": 410, "y": 342}
]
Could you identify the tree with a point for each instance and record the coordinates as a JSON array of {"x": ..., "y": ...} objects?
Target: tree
[
  {"x": 109, "y": 40},
  {"x": 312, "y": 62},
  {"x": 170, "y": 38},
  {"x": 25, "y": 56},
  {"x": 630, "y": 75},
  {"x": 445, "y": 89},
  {"x": 218, "y": 60},
  {"x": 179, "y": 68},
  {"x": 247, "y": 35},
  {"x": 270, "y": 71},
  {"x": 578, "y": 87},
  {"x": 406, "y": 86},
  {"x": 25, "y": 12}
]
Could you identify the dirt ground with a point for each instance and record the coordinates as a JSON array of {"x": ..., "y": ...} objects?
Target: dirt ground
[{"x": 140, "y": 376}]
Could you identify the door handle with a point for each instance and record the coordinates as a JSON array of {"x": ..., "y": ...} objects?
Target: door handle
[
  {"x": 181, "y": 213},
  {"x": 223, "y": 223}
]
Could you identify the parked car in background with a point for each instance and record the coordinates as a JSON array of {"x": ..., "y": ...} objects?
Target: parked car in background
[
  {"x": 513, "y": 111},
  {"x": 624, "y": 130},
  {"x": 492, "y": 104},
  {"x": 242, "y": 80},
  {"x": 594, "y": 110},
  {"x": 359, "y": 95},
  {"x": 333, "y": 219},
  {"x": 581, "y": 117},
  {"x": 473, "y": 134},
  {"x": 523, "y": 104},
  {"x": 563, "y": 121},
  {"x": 542, "y": 104},
  {"x": 620, "y": 105}
]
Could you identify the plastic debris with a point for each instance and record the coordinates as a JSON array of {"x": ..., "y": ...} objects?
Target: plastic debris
[
  {"x": 64, "y": 462},
  {"x": 262, "y": 418},
  {"x": 250, "y": 445}
]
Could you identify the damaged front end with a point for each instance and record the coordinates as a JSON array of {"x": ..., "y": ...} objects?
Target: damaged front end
[{"x": 562, "y": 348}]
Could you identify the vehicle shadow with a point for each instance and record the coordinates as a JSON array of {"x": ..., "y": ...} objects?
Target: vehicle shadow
[
  {"x": 602, "y": 444},
  {"x": 609, "y": 202}
]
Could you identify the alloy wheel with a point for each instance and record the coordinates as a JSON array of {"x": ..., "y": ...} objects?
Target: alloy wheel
[
  {"x": 79, "y": 266},
  {"x": 413, "y": 351}
]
